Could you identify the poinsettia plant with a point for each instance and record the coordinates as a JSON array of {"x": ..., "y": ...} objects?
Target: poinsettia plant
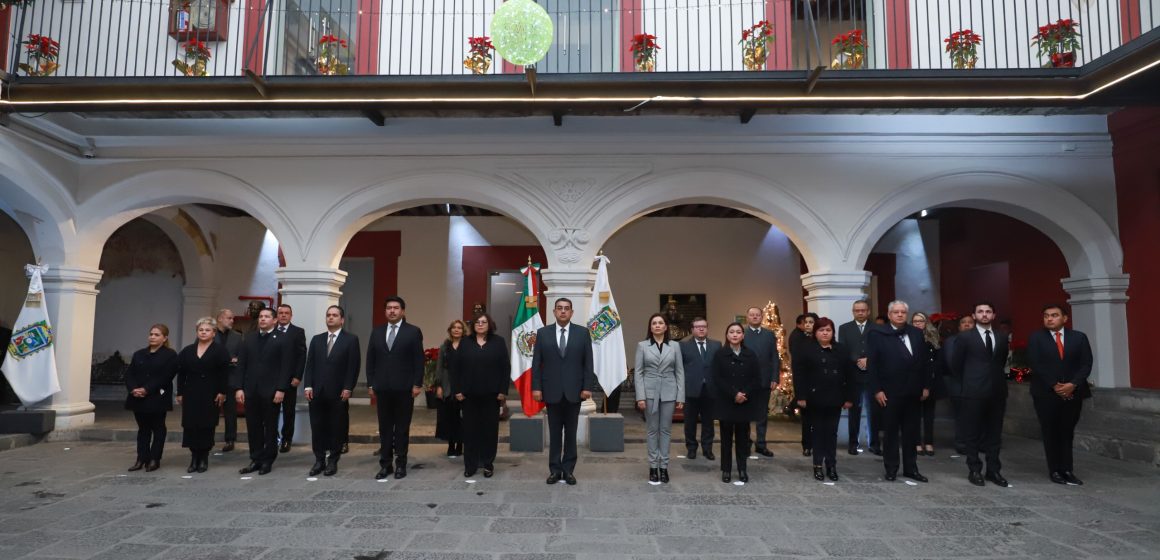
[
  {"x": 480, "y": 45},
  {"x": 328, "y": 61},
  {"x": 963, "y": 47},
  {"x": 1058, "y": 41},
  {"x": 197, "y": 55},
  {"x": 756, "y": 35},
  {"x": 430, "y": 360},
  {"x": 644, "y": 47},
  {"x": 851, "y": 43},
  {"x": 42, "y": 55},
  {"x": 5, "y": 3}
]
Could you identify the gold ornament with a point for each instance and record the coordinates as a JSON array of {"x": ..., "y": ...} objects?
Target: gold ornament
[
  {"x": 754, "y": 57},
  {"x": 645, "y": 65},
  {"x": 478, "y": 63},
  {"x": 846, "y": 61},
  {"x": 960, "y": 64}
]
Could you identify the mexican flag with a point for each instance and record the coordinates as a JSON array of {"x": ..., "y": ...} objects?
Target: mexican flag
[{"x": 527, "y": 321}]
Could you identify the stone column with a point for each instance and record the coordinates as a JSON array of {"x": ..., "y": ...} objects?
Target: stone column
[
  {"x": 832, "y": 294},
  {"x": 71, "y": 295},
  {"x": 1099, "y": 309},
  {"x": 576, "y": 285},
  {"x": 197, "y": 302}
]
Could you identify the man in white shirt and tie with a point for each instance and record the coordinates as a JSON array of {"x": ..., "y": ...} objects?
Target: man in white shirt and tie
[
  {"x": 697, "y": 353},
  {"x": 853, "y": 336},
  {"x": 297, "y": 341},
  {"x": 978, "y": 385},
  {"x": 562, "y": 377},
  {"x": 394, "y": 378},
  {"x": 898, "y": 372},
  {"x": 329, "y": 377}
]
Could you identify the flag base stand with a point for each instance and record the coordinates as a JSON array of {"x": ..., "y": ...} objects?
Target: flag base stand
[
  {"x": 606, "y": 432},
  {"x": 527, "y": 434},
  {"x": 36, "y": 422}
]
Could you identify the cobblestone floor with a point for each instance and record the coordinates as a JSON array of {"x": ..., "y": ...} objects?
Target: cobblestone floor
[{"x": 75, "y": 500}]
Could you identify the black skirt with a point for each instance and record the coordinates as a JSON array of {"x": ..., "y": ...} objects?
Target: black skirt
[{"x": 448, "y": 420}]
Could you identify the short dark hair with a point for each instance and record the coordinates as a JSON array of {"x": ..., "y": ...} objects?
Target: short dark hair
[
  {"x": 982, "y": 302},
  {"x": 341, "y": 311},
  {"x": 1062, "y": 307},
  {"x": 821, "y": 323},
  {"x": 490, "y": 322},
  {"x": 800, "y": 318},
  {"x": 286, "y": 305},
  {"x": 648, "y": 329},
  {"x": 814, "y": 315},
  {"x": 396, "y": 299},
  {"x": 699, "y": 318},
  {"x": 558, "y": 300},
  {"x": 265, "y": 309}
]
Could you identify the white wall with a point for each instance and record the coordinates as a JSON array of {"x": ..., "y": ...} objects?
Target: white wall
[
  {"x": 128, "y": 306},
  {"x": 246, "y": 258},
  {"x": 915, "y": 245}
]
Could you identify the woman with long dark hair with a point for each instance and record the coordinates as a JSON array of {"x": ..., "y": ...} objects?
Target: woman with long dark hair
[
  {"x": 448, "y": 424},
  {"x": 824, "y": 383},
  {"x": 149, "y": 380},
  {"x": 202, "y": 382},
  {"x": 659, "y": 380},
  {"x": 480, "y": 379},
  {"x": 737, "y": 379}
]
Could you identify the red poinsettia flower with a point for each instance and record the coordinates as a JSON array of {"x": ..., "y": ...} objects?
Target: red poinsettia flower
[
  {"x": 327, "y": 40},
  {"x": 757, "y": 34},
  {"x": 196, "y": 49},
  {"x": 480, "y": 45},
  {"x": 42, "y": 46}
]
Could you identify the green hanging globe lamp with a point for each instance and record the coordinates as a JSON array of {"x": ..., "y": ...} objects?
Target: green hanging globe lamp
[{"x": 522, "y": 32}]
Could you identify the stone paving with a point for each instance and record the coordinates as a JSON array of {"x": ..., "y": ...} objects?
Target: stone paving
[{"x": 75, "y": 500}]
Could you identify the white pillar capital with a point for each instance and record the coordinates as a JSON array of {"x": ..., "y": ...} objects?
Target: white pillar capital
[
  {"x": 70, "y": 292},
  {"x": 76, "y": 279},
  {"x": 197, "y": 302},
  {"x": 1099, "y": 308},
  {"x": 311, "y": 290},
  {"x": 574, "y": 284},
  {"x": 832, "y": 293}
]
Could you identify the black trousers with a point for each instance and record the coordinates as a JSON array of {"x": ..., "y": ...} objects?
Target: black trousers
[
  {"x": 262, "y": 429},
  {"x": 763, "y": 419},
  {"x": 344, "y": 423},
  {"x": 1057, "y": 421},
  {"x": 289, "y": 407},
  {"x": 734, "y": 439},
  {"x": 927, "y": 436},
  {"x": 151, "y": 434},
  {"x": 563, "y": 417},
  {"x": 394, "y": 410},
  {"x": 326, "y": 427},
  {"x": 981, "y": 425},
  {"x": 825, "y": 435},
  {"x": 807, "y": 429},
  {"x": 230, "y": 414},
  {"x": 901, "y": 414},
  {"x": 480, "y": 431},
  {"x": 699, "y": 410},
  {"x": 864, "y": 401}
]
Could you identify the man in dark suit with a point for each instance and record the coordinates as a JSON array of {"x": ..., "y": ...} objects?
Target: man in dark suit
[
  {"x": 298, "y": 344},
  {"x": 853, "y": 336},
  {"x": 697, "y": 353},
  {"x": 764, "y": 343},
  {"x": 329, "y": 376},
  {"x": 261, "y": 382},
  {"x": 232, "y": 340},
  {"x": 800, "y": 340},
  {"x": 978, "y": 384},
  {"x": 1061, "y": 361},
  {"x": 899, "y": 370},
  {"x": 966, "y": 323},
  {"x": 562, "y": 378},
  {"x": 395, "y": 377}
]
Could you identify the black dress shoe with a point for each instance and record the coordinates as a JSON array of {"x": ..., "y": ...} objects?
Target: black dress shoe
[
  {"x": 488, "y": 472},
  {"x": 193, "y": 462},
  {"x": 265, "y": 469},
  {"x": 818, "y": 474},
  {"x": 229, "y": 446},
  {"x": 654, "y": 475},
  {"x": 976, "y": 478},
  {"x": 807, "y": 452},
  {"x": 915, "y": 475},
  {"x": 997, "y": 479},
  {"x": 203, "y": 464},
  {"x": 568, "y": 478},
  {"x": 468, "y": 473},
  {"x": 664, "y": 476},
  {"x": 248, "y": 468},
  {"x": 832, "y": 473},
  {"x": 742, "y": 475},
  {"x": 1058, "y": 478},
  {"x": 383, "y": 473},
  {"x": 554, "y": 478},
  {"x": 692, "y": 453},
  {"x": 890, "y": 477},
  {"x": 137, "y": 466},
  {"x": 709, "y": 455},
  {"x": 853, "y": 451},
  {"x": 725, "y": 476},
  {"x": 876, "y": 450},
  {"x": 1070, "y": 478},
  {"x": 345, "y": 449},
  {"x": 152, "y": 466},
  {"x": 331, "y": 468},
  {"x": 451, "y": 451},
  {"x": 317, "y": 468},
  {"x": 401, "y": 471},
  {"x": 284, "y": 448},
  {"x": 764, "y": 451}
]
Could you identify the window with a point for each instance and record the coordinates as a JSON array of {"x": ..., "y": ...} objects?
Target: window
[
  {"x": 205, "y": 20},
  {"x": 305, "y": 22}
]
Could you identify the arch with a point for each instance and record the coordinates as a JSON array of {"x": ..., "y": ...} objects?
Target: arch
[
  {"x": 196, "y": 271},
  {"x": 38, "y": 202},
  {"x": 751, "y": 193},
  {"x": 1088, "y": 244},
  {"x": 325, "y": 243},
  {"x": 145, "y": 192}
]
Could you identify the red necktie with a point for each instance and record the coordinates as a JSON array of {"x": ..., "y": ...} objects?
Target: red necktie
[{"x": 1059, "y": 343}]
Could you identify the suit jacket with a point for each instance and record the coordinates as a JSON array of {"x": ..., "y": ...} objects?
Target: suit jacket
[
  {"x": 330, "y": 375},
  {"x": 154, "y": 371},
  {"x": 976, "y": 373},
  {"x": 298, "y": 348},
  {"x": 264, "y": 365},
  {"x": 737, "y": 373},
  {"x": 853, "y": 340},
  {"x": 890, "y": 368},
  {"x": 232, "y": 340},
  {"x": 823, "y": 378},
  {"x": 764, "y": 345},
  {"x": 399, "y": 368},
  {"x": 562, "y": 379},
  {"x": 698, "y": 373},
  {"x": 659, "y": 373},
  {"x": 1047, "y": 368}
]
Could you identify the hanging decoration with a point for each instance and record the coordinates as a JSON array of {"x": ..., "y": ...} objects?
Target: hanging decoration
[{"x": 522, "y": 32}]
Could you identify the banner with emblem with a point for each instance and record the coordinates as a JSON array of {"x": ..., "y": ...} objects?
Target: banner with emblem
[
  {"x": 524, "y": 326},
  {"x": 30, "y": 365},
  {"x": 608, "y": 358}
]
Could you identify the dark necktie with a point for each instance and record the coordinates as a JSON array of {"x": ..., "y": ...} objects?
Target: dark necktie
[
  {"x": 701, "y": 344},
  {"x": 330, "y": 344},
  {"x": 990, "y": 343},
  {"x": 563, "y": 341}
]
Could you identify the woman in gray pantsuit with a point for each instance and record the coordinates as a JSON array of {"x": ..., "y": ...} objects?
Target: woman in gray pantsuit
[{"x": 660, "y": 389}]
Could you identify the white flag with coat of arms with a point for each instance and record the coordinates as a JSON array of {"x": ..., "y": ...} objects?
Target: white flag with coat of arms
[
  {"x": 30, "y": 363},
  {"x": 608, "y": 358}
]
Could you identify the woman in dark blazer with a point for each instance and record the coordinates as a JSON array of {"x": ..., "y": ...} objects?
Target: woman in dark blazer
[
  {"x": 150, "y": 383},
  {"x": 824, "y": 381},
  {"x": 480, "y": 378},
  {"x": 203, "y": 370},
  {"x": 736, "y": 378},
  {"x": 448, "y": 424},
  {"x": 938, "y": 387}
]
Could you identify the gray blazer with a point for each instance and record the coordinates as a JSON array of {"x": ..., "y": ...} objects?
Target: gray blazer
[
  {"x": 764, "y": 344},
  {"x": 659, "y": 373}
]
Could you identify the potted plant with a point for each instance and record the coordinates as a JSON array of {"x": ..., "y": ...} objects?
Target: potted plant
[
  {"x": 328, "y": 63},
  {"x": 42, "y": 54},
  {"x": 644, "y": 49},
  {"x": 197, "y": 57},
  {"x": 753, "y": 44},
  {"x": 5, "y": 3},
  {"x": 1058, "y": 42},
  {"x": 479, "y": 57},
  {"x": 851, "y": 51},
  {"x": 962, "y": 46},
  {"x": 430, "y": 376}
]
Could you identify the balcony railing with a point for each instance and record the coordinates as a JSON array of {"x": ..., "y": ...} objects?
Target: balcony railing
[{"x": 142, "y": 38}]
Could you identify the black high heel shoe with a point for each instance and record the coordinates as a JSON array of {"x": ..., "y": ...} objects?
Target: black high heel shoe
[
  {"x": 832, "y": 473},
  {"x": 194, "y": 461},
  {"x": 742, "y": 475},
  {"x": 137, "y": 466},
  {"x": 725, "y": 477}
]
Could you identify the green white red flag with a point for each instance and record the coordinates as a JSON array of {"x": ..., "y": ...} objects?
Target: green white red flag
[{"x": 524, "y": 326}]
